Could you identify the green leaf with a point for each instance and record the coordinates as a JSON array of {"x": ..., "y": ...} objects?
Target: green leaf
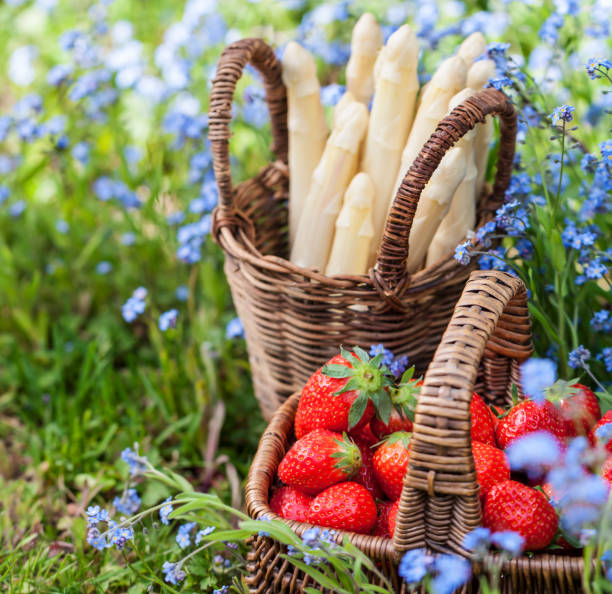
[
  {"x": 337, "y": 371},
  {"x": 384, "y": 406},
  {"x": 407, "y": 375},
  {"x": 361, "y": 354},
  {"x": 357, "y": 409},
  {"x": 316, "y": 575}
]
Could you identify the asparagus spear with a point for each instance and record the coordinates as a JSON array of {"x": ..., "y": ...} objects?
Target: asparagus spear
[
  {"x": 472, "y": 47},
  {"x": 478, "y": 76},
  {"x": 354, "y": 230},
  {"x": 330, "y": 179},
  {"x": 397, "y": 84},
  {"x": 307, "y": 127},
  {"x": 461, "y": 216},
  {"x": 366, "y": 41},
  {"x": 446, "y": 82},
  {"x": 434, "y": 203}
]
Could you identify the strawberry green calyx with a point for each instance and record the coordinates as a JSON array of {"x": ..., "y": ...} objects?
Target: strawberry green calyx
[
  {"x": 561, "y": 390},
  {"x": 404, "y": 397},
  {"x": 402, "y": 437},
  {"x": 369, "y": 378},
  {"x": 348, "y": 456}
]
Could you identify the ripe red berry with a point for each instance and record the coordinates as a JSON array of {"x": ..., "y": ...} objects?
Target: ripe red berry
[
  {"x": 606, "y": 471},
  {"x": 483, "y": 427},
  {"x": 491, "y": 467},
  {"x": 381, "y": 528},
  {"x": 391, "y": 462},
  {"x": 527, "y": 417},
  {"x": 345, "y": 506},
  {"x": 319, "y": 460},
  {"x": 338, "y": 396},
  {"x": 365, "y": 475},
  {"x": 513, "y": 506},
  {"x": 595, "y": 435},
  {"x": 580, "y": 411},
  {"x": 291, "y": 504},
  {"x": 392, "y": 517}
]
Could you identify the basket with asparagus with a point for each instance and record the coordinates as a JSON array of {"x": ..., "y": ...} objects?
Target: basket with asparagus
[{"x": 342, "y": 183}]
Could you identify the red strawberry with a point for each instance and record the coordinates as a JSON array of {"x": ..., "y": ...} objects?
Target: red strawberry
[
  {"x": 606, "y": 471},
  {"x": 513, "y": 506},
  {"x": 338, "y": 396},
  {"x": 319, "y": 460},
  {"x": 560, "y": 540},
  {"x": 291, "y": 504},
  {"x": 580, "y": 411},
  {"x": 527, "y": 417},
  {"x": 491, "y": 467},
  {"x": 483, "y": 427},
  {"x": 392, "y": 518},
  {"x": 364, "y": 435},
  {"x": 496, "y": 414},
  {"x": 397, "y": 422},
  {"x": 365, "y": 475},
  {"x": 345, "y": 506},
  {"x": 391, "y": 462},
  {"x": 404, "y": 400},
  {"x": 595, "y": 435},
  {"x": 381, "y": 528}
]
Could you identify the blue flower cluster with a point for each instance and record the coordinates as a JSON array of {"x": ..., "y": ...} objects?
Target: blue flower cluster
[
  {"x": 135, "y": 305},
  {"x": 115, "y": 535},
  {"x": 128, "y": 504},
  {"x": 396, "y": 365},
  {"x": 447, "y": 572},
  {"x": 480, "y": 540}
]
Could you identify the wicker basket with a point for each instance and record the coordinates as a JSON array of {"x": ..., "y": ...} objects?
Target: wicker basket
[
  {"x": 482, "y": 347},
  {"x": 295, "y": 318}
]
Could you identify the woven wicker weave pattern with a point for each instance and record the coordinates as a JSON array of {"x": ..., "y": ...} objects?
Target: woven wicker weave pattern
[
  {"x": 487, "y": 338},
  {"x": 295, "y": 318}
]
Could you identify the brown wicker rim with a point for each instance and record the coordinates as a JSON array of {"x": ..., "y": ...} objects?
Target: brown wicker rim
[{"x": 389, "y": 277}]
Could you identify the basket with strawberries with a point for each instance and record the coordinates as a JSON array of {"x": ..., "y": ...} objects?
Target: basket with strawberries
[{"x": 400, "y": 464}]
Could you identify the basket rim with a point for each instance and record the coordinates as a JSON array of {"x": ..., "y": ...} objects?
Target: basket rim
[{"x": 235, "y": 242}]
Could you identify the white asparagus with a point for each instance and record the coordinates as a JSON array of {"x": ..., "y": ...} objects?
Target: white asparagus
[
  {"x": 433, "y": 205},
  {"x": 472, "y": 47},
  {"x": 461, "y": 216},
  {"x": 337, "y": 167},
  {"x": 446, "y": 82},
  {"x": 307, "y": 127},
  {"x": 366, "y": 41},
  {"x": 478, "y": 76},
  {"x": 354, "y": 229},
  {"x": 396, "y": 87}
]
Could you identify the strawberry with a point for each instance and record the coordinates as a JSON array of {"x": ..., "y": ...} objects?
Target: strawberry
[
  {"x": 345, "y": 506},
  {"x": 597, "y": 435},
  {"x": 527, "y": 417},
  {"x": 491, "y": 467},
  {"x": 404, "y": 400},
  {"x": 392, "y": 518},
  {"x": 580, "y": 411},
  {"x": 513, "y": 506},
  {"x": 606, "y": 471},
  {"x": 365, "y": 474},
  {"x": 341, "y": 394},
  {"x": 291, "y": 504},
  {"x": 483, "y": 427},
  {"x": 381, "y": 528},
  {"x": 497, "y": 413},
  {"x": 319, "y": 460},
  {"x": 363, "y": 434},
  {"x": 391, "y": 462}
]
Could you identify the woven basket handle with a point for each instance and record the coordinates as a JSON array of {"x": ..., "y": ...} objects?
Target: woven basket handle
[
  {"x": 439, "y": 502},
  {"x": 229, "y": 70},
  {"x": 393, "y": 252}
]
